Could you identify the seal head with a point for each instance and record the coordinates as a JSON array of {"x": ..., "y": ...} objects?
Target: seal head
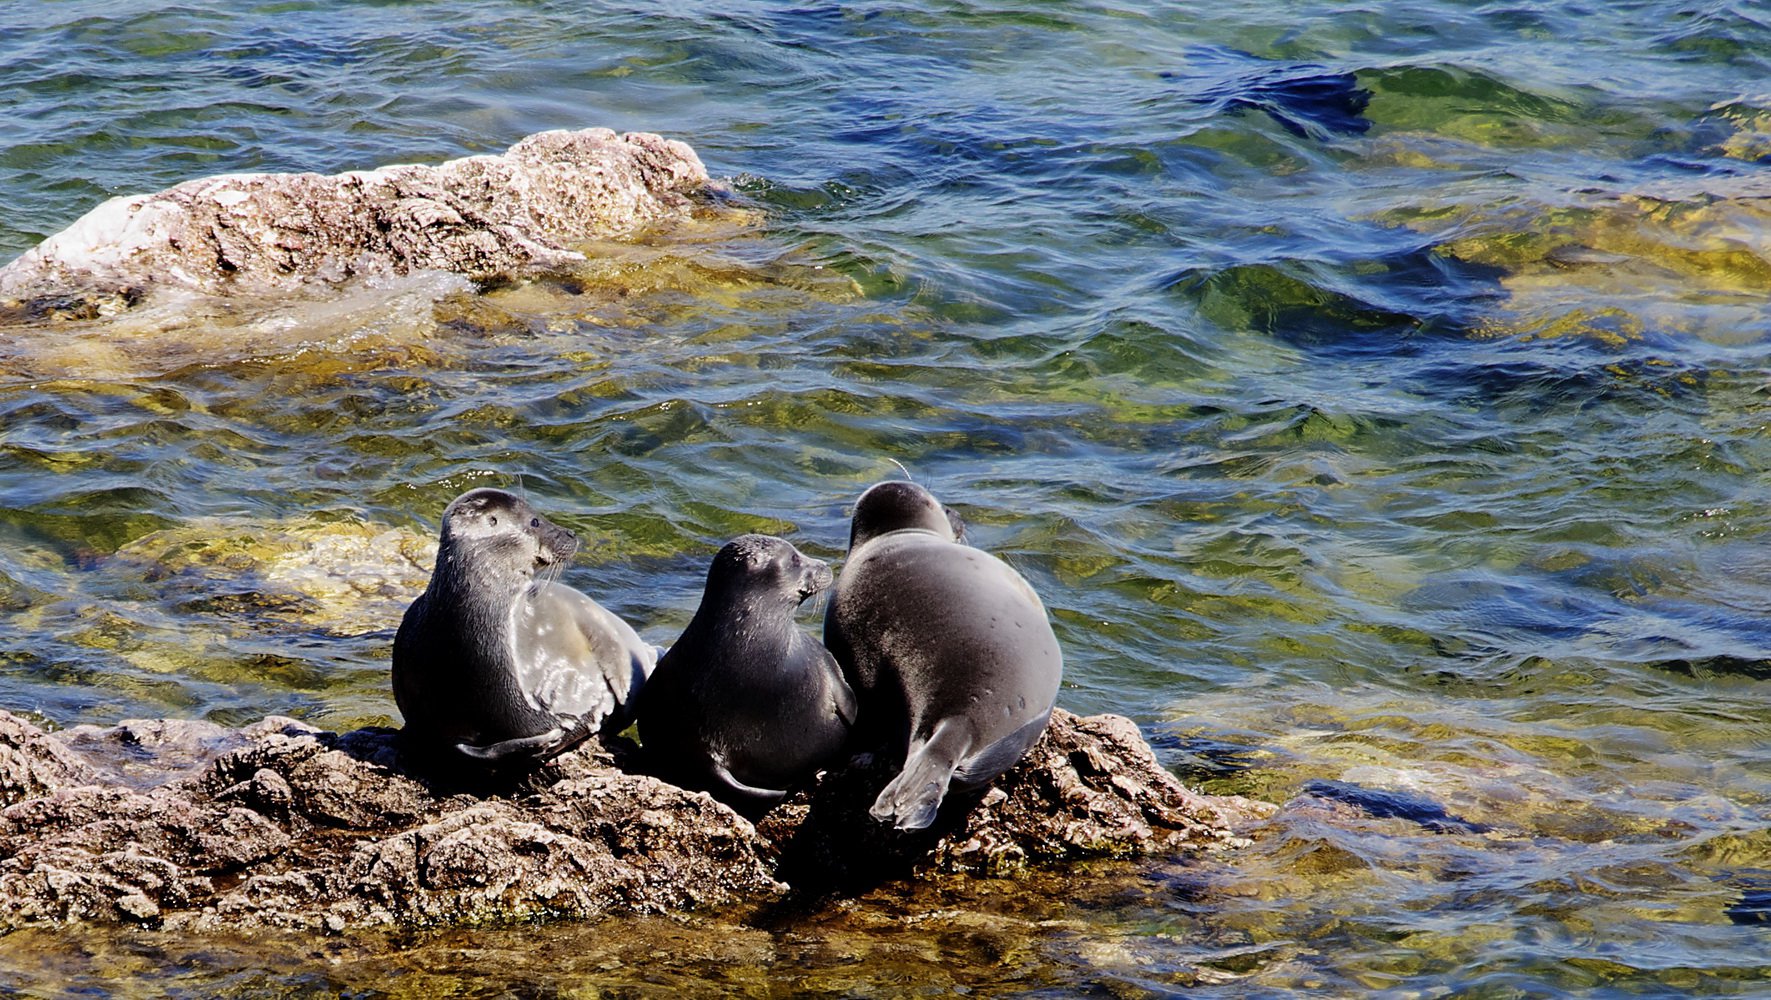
[
  {"x": 899, "y": 505},
  {"x": 500, "y": 667},
  {"x": 949, "y": 651},
  {"x": 746, "y": 704}
]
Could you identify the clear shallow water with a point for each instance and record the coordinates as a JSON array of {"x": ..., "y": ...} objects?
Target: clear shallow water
[{"x": 1377, "y": 396}]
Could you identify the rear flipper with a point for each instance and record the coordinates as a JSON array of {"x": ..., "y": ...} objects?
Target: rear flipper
[
  {"x": 911, "y": 800},
  {"x": 984, "y": 766}
]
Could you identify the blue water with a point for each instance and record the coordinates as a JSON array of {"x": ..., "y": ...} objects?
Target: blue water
[{"x": 1378, "y": 396}]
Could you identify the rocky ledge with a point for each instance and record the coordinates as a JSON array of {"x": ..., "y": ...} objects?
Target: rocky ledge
[
  {"x": 481, "y": 216},
  {"x": 190, "y": 825}
]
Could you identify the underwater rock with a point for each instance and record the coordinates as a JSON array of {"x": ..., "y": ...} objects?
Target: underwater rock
[
  {"x": 480, "y": 216},
  {"x": 1307, "y": 100},
  {"x": 283, "y": 825},
  {"x": 1685, "y": 255},
  {"x": 347, "y": 577}
]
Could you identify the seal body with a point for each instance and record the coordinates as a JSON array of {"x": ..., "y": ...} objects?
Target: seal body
[
  {"x": 499, "y": 667},
  {"x": 746, "y": 704},
  {"x": 950, "y": 652}
]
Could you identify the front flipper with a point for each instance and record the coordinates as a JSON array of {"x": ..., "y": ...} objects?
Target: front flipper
[
  {"x": 591, "y": 664},
  {"x": 506, "y": 750},
  {"x": 741, "y": 796}
]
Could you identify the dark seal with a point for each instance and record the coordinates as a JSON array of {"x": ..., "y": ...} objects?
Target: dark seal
[
  {"x": 950, "y": 653},
  {"x": 499, "y": 667},
  {"x": 746, "y": 704}
]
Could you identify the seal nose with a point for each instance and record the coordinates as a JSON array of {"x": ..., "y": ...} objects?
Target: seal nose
[
  {"x": 814, "y": 578},
  {"x": 557, "y": 543},
  {"x": 955, "y": 523}
]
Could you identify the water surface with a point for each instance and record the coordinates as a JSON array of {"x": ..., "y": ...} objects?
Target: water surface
[{"x": 1377, "y": 395}]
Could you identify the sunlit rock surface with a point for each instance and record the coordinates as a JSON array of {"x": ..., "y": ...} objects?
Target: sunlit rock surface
[
  {"x": 521, "y": 211},
  {"x": 191, "y": 825}
]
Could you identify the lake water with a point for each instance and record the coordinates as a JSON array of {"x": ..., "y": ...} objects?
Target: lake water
[{"x": 1379, "y": 395}]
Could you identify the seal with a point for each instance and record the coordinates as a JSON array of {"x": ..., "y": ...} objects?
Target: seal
[
  {"x": 501, "y": 668},
  {"x": 746, "y": 704},
  {"x": 953, "y": 661}
]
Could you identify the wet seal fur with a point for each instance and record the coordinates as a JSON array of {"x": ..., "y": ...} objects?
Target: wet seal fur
[
  {"x": 950, "y": 653},
  {"x": 498, "y": 668},
  {"x": 746, "y": 704}
]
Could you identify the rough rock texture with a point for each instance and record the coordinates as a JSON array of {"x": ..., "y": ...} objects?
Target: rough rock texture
[
  {"x": 1090, "y": 788},
  {"x": 282, "y": 825},
  {"x": 33, "y": 764},
  {"x": 480, "y": 216}
]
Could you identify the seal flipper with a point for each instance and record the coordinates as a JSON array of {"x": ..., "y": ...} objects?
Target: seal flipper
[
  {"x": 911, "y": 800},
  {"x": 527, "y": 746},
  {"x": 607, "y": 666},
  {"x": 753, "y": 798},
  {"x": 984, "y": 766}
]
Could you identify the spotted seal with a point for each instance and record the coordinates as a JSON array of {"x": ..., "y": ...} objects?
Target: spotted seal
[
  {"x": 953, "y": 661},
  {"x": 498, "y": 666},
  {"x": 746, "y": 704}
]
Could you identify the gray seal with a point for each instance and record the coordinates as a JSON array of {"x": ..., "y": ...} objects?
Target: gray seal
[
  {"x": 746, "y": 704},
  {"x": 950, "y": 653},
  {"x": 498, "y": 666}
]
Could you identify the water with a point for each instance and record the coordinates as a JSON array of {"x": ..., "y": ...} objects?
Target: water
[{"x": 1377, "y": 394}]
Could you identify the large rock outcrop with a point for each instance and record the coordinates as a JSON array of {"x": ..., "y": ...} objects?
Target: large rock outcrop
[
  {"x": 189, "y": 825},
  {"x": 481, "y": 216}
]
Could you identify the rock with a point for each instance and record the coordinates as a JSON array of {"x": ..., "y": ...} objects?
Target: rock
[
  {"x": 144, "y": 753},
  {"x": 1090, "y": 788},
  {"x": 1618, "y": 263},
  {"x": 346, "y": 577},
  {"x": 481, "y": 216},
  {"x": 281, "y": 825},
  {"x": 32, "y": 764}
]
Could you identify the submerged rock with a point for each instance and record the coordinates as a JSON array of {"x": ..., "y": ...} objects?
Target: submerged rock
[
  {"x": 347, "y": 577},
  {"x": 518, "y": 212},
  {"x": 1688, "y": 255},
  {"x": 280, "y": 824}
]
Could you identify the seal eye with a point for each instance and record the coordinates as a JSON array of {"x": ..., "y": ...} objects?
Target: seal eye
[
  {"x": 493, "y": 520},
  {"x": 534, "y": 522}
]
